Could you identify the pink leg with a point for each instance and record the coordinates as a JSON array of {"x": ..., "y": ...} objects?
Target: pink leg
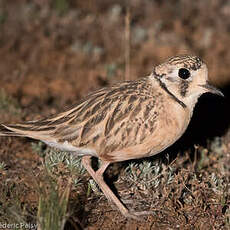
[{"x": 98, "y": 177}]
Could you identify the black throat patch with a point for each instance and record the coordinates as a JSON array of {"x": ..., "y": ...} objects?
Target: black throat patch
[
  {"x": 163, "y": 86},
  {"x": 184, "y": 88}
]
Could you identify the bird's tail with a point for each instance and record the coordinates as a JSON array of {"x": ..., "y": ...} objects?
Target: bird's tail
[
  {"x": 4, "y": 131},
  {"x": 49, "y": 130},
  {"x": 29, "y": 129}
]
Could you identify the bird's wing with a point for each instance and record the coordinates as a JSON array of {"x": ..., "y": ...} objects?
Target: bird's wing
[
  {"x": 123, "y": 117},
  {"x": 106, "y": 120}
]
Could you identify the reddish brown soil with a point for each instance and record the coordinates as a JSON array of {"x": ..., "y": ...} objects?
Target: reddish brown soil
[{"x": 51, "y": 56}]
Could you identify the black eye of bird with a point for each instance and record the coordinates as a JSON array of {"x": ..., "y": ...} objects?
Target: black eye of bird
[{"x": 184, "y": 73}]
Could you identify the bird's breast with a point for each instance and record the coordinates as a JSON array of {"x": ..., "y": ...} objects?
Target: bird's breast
[{"x": 171, "y": 123}]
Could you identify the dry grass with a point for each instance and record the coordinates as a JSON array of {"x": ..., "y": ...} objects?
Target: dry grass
[{"x": 53, "y": 53}]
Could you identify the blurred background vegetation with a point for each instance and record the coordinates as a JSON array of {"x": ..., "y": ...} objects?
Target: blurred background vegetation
[{"x": 53, "y": 52}]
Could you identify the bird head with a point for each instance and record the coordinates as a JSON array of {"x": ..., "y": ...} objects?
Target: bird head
[{"x": 185, "y": 78}]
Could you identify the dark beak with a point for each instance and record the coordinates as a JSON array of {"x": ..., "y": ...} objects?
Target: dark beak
[{"x": 212, "y": 89}]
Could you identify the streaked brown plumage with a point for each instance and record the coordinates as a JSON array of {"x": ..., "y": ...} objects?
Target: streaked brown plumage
[{"x": 129, "y": 120}]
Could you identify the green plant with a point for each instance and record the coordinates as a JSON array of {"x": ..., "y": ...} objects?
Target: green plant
[
  {"x": 8, "y": 104},
  {"x": 38, "y": 147},
  {"x": 61, "y": 6},
  {"x": 143, "y": 175},
  {"x": 2, "y": 166},
  {"x": 53, "y": 202}
]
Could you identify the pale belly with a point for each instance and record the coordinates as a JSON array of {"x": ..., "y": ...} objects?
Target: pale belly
[{"x": 168, "y": 131}]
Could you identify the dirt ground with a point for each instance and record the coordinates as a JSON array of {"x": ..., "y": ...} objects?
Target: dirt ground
[{"x": 54, "y": 52}]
